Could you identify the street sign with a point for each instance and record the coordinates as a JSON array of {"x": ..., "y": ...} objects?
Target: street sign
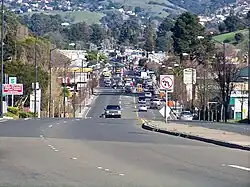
[
  {"x": 13, "y": 89},
  {"x": 165, "y": 112},
  {"x": 188, "y": 75},
  {"x": 167, "y": 82},
  {"x": 12, "y": 80}
]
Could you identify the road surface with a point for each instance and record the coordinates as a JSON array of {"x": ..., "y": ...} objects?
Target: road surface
[{"x": 98, "y": 152}]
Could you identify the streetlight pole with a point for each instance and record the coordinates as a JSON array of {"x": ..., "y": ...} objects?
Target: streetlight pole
[
  {"x": 249, "y": 74},
  {"x": 50, "y": 85},
  {"x": 35, "y": 89},
  {"x": 74, "y": 98},
  {"x": 2, "y": 38},
  {"x": 64, "y": 90}
]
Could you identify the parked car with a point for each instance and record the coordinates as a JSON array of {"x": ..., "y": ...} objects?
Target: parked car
[
  {"x": 186, "y": 115},
  {"x": 143, "y": 108},
  {"x": 113, "y": 111}
]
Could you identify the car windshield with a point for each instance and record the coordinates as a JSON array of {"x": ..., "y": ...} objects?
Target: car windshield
[
  {"x": 186, "y": 113},
  {"x": 113, "y": 107}
]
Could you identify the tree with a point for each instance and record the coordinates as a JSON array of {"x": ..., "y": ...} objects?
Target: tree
[
  {"x": 138, "y": 9},
  {"x": 164, "y": 40},
  {"x": 129, "y": 32},
  {"x": 222, "y": 27},
  {"x": 150, "y": 37},
  {"x": 79, "y": 32},
  {"x": 232, "y": 24},
  {"x": 239, "y": 37},
  {"x": 25, "y": 75},
  {"x": 165, "y": 27},
  {"x": 97, "y": 35},
  {"x": 185, "y": 35},
  {"x": 225, "y": 74}
]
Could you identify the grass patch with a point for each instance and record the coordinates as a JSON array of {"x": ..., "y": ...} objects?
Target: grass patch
[
  {"x": 230, "y": 36},
  {"x": 153, "y": 9},
  {"x": 80, "y": 16}
]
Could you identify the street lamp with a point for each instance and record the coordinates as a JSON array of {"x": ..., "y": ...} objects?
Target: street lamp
[
  {"x": 74, "y": 98},
  {"x": 204, "y": 89},
  {"x": 224, "y": 71},
  {"x": 35, "y": 88},
  {"x": 50, "y": 75}
]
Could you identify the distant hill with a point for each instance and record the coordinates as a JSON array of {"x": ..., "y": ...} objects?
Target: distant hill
[{"x": 160, "y": 8}]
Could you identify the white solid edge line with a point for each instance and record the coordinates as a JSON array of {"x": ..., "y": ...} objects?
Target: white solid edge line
[
  {"x": 87, "y": 112},
  {"x": 239, "y": 167}
]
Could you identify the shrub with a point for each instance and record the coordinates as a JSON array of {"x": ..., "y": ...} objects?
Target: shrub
[
  {"x": 25, "y": 114},
  {"x": 13, "y": 110}
]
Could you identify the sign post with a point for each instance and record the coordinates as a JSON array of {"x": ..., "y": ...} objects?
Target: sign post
[
  {"x": 167, "y": 84},
  {"x": 12, "y": 80}
]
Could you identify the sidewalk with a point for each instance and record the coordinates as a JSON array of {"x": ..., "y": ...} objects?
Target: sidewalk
[
  {"x": 88, "y": 102},
  {"x": 218, "y": 137}
]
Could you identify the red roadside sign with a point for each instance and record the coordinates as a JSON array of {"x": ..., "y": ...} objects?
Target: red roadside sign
[{"x": 13, "y": 89}]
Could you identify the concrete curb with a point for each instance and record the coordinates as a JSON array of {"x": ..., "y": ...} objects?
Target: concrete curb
[{"x": 193, "y": 137}]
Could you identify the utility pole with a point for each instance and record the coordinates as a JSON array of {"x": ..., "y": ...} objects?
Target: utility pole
[
  {"x": 80, "y": 93},
  {"x": 35, "y": 89},
  {"x": 224, "y": 82},
  {"x": 50, "y": 77},
  {"x": 204, "y": 99},
  {"x": 74, "y": 98},
  {"x": 249, "y": 73},
  {"x": 64, "y": 94},
  {"x": 2, "y": 38}
]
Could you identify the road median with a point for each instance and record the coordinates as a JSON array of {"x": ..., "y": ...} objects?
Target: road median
[{"x": 217, "y": 137}]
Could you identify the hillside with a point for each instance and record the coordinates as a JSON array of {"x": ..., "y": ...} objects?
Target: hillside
[
  {"x": 230, "y": 38},
  {"x": 76, "y": 16},
  {"x": 160, "y": 8}
]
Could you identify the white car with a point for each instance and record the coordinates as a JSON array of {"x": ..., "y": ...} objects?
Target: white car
[
  {"x": 143, "y": 107},
  {"x": 148, "y": 94},
  {"x": 156, "y": 101},
  {"x": 186, "y": 115}
]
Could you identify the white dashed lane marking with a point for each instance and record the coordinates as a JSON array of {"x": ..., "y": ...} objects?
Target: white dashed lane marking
[
  {"x": 73, "y": 158},
  {"x": 50, "y": 126}
]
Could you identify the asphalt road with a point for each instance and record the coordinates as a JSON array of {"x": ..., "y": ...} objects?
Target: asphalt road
[{"x": 98, "y": 152}]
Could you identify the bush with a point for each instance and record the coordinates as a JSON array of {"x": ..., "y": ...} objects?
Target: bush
[
  {"x": 239, "y": 37},
  {"x": 25, "y": 114},
  {"x": 13, "y": 110},
  {"x": 9, "y": 114}
]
